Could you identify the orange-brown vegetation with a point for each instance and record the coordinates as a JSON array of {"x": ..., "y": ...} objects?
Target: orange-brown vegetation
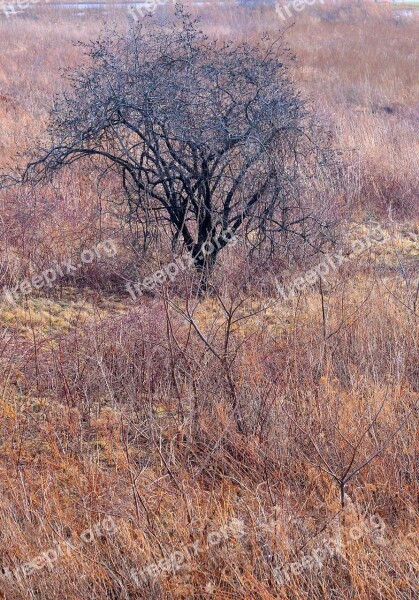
[{"x": 175, "y": 415}]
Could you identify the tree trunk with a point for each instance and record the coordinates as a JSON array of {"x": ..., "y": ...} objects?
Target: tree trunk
[{"x": 204, "y": 265}]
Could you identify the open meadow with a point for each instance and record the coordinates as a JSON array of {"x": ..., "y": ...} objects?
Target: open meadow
[{"x": 253, "y": 439}]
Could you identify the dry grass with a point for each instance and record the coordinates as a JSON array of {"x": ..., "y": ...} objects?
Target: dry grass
[{"x": 173, "y": 418}]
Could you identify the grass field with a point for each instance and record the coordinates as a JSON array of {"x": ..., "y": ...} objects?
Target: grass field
[{"x": 242, "y": 445}]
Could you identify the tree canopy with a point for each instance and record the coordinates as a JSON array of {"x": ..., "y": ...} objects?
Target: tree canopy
[{"x": 203, "y": 136}]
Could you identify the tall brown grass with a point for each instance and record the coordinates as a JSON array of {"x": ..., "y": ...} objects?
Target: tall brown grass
[{"x": 176, "y": 415}]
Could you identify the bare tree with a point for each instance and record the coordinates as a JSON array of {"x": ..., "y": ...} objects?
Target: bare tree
[{"x": 204, "y": 137}]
